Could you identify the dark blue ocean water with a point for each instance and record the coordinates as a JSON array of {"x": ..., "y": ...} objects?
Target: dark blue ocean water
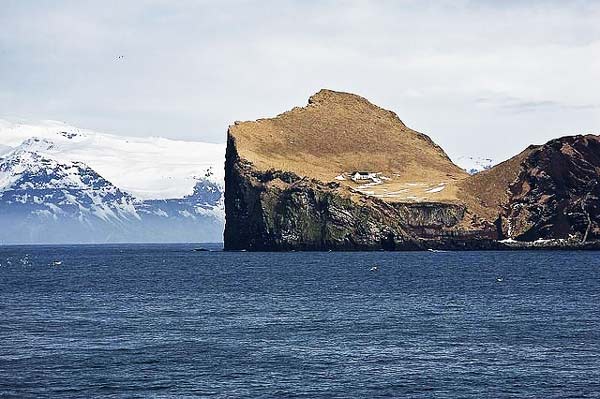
[{"x": 155, "y": 321}]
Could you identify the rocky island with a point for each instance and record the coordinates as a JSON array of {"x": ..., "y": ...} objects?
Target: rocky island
[{"x": 344, "y": 174}]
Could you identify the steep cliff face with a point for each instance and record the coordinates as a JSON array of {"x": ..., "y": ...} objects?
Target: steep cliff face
[
  {"x": 289, "y": 185},
  {"x": 344, "y": 174},
  {"x": 277, "y": 210}
]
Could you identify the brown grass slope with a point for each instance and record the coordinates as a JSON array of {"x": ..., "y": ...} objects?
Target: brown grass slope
[
  {"x": 337, "y": 133},
  {"x": 485, "y": 193}
]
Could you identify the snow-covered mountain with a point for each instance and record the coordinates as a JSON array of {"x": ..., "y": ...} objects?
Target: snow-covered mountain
[
  {"x": 474, "y": 164},
  {"x": 59, "y": 183}
]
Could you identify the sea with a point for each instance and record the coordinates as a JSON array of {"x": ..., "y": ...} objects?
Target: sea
[{"x": 165, "y": 321}]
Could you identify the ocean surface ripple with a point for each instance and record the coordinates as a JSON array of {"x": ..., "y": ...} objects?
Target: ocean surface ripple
[{"x": 161, "y": 321}]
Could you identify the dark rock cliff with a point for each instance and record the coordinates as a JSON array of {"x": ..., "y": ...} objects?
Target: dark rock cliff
[
  {"x": 556, "y": 194},
  {"x": 279, "y": 211},
  {"x": 291, "y": 184}
]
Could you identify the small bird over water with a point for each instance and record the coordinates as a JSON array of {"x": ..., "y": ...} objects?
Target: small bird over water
[
  {"x": 374, "y": 269},
  {"x": 499, "y": 279}
]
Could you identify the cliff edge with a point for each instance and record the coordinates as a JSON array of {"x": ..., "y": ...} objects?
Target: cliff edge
[{"x": 344, "y": 174}]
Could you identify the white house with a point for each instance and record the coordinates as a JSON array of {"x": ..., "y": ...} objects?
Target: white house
[{"x": 358, "y": 175}]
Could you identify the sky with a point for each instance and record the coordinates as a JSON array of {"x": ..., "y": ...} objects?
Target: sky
[{"x": 482, "y": 78}]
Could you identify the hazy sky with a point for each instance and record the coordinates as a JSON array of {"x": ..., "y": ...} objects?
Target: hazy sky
[{"x": 480, "y": 77}]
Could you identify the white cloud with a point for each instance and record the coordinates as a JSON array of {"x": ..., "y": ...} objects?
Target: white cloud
[{"x": 481, "y": 78}]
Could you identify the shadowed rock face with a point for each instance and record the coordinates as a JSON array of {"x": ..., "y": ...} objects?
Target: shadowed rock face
[
  {"x": 283, "y": 191},
  {"x": 556, "y": 192},
  {"x": 277, "y": 210}
]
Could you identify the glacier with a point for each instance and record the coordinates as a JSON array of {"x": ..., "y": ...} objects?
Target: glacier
[{"x": 63, "y": 184}]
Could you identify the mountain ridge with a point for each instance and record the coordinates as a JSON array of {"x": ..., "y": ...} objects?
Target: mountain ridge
[
  {"x": 49, "y": 195},
  {"x": 339, "y": 133},
  {"x": 149, "y": 168}
]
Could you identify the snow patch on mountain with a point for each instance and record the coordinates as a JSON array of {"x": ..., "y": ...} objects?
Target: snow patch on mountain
[
  {"x": 45, "y": 186},
  {"x": 61, "y": 184},
  {"x": 473, "y": 164},
  {"x": 147, "y": 168}
]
